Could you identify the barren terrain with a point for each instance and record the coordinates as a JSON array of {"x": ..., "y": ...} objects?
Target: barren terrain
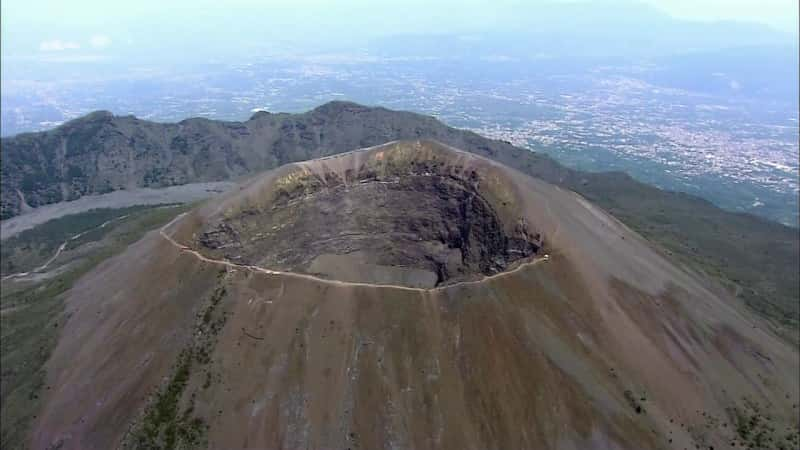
[{"x": 187, "y": 341}]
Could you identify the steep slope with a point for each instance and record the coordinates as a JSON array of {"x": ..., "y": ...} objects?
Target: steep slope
[
  {"x": 101, "y": 152},
  {"x": 602, "y": 343}
]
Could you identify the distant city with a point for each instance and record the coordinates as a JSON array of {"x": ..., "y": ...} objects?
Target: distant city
[{"x": 732, "y": 150}]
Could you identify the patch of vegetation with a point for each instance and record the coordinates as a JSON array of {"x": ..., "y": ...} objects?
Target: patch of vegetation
[
  {"x": 82, "y": 140},
  {"x": 162, "y": 427},
  {"x": 762, "y": 290},
  {"x": 210, "y": 324},
  {"x": 757, "y": 259},
  {"x": 32, "y": 248},
  {"x": 746, "y": 424},
  {"x": 219, "y": 292},
  {"x": 180, "y": 144},
  {"x": 29, "y": 182},
  {"x": 74, "y": 172},
  {"x": 29, "y": 330},
  {"x": 757, "y": 430},
  {"x": 634, "y": 402},
  {"x": 31, "y": 317},
  {"x": 150, "y": 215}
]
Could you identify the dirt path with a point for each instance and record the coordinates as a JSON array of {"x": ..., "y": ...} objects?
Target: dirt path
[
  {"x": 196, "y": 254},
  {"x": 40, "y": 269}
]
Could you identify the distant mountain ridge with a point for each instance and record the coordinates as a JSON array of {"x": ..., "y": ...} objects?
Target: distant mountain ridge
[{"x": 101, "y": 152}]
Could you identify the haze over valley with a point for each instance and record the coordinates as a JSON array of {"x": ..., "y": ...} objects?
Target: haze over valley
[{"x": 709, "y": 110}]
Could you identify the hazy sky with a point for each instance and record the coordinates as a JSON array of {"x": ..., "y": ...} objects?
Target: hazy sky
[
  {"x": 780, "y": 14},
  {"x": 92, "y": 28}
]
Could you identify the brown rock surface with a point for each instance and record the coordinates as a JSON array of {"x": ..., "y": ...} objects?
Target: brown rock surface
[{"x": 604, "y": 343}]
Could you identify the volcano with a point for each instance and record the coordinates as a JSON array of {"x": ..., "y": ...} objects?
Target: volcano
[{"x": 409, "y": 295}]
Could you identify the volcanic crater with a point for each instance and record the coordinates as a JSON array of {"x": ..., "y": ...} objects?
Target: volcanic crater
[{"x": 409, "y": 217}]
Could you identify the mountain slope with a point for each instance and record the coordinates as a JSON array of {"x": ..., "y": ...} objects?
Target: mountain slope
[
  {"x": 101, "y": 152},
  {"x": 604, "y": 343}
]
